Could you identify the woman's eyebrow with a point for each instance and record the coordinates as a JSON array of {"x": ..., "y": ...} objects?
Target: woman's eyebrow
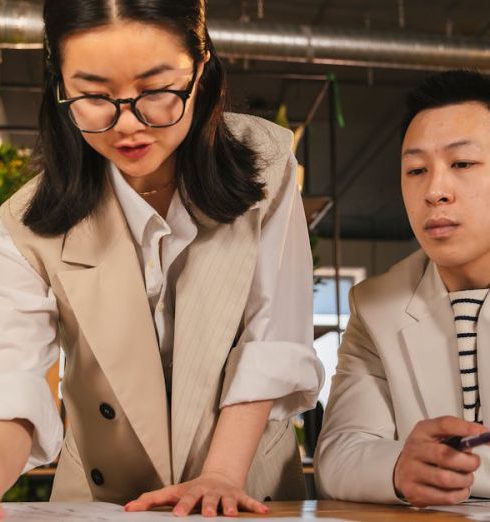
[
  {"x": 89, "y": 77},
  {"x": 154, "y": 71}
]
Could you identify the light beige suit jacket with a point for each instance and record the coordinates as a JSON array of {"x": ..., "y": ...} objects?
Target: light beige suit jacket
[
  {"x": 398, "y": 364},
  {"x": 107, "y": 332}
]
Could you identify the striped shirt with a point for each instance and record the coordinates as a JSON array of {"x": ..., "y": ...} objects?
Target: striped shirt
[{"x": 466, "y": 306}]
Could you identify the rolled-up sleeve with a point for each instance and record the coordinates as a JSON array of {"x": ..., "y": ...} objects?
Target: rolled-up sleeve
[
  {"x": 28, "y": 348},
  {"x": 274, "y": 357}
]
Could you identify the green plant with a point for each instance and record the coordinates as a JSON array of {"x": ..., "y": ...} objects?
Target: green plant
[
  {"x": 19, "y": 492},
  {"x": 14, "y": 171},
  {"x": 30, "y": 489},
  {"x": 314, "y": 238}
]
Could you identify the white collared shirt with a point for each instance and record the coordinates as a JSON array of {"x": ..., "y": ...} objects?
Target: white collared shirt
[{"x": 273, "y": 359}]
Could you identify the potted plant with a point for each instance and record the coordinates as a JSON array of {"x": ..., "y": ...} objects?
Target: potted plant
[{"x": 14, "y": 170}]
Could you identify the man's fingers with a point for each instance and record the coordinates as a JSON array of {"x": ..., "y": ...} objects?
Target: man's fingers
[
  {"x": 447, "y": 426},
  {"x": 427, "y": 466},
  {"x": 430, "y": 472},
  {"x": 443, "y": 456},
  {"x": 440, "y": 478},
  {"x": 421, "y": 495},
  {"x": 449, "y": 458}
]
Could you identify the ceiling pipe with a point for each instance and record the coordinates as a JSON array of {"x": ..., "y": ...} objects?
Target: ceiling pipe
[
  {"x": 21, "y": 26},
  {"x": 323, "y": 45}
]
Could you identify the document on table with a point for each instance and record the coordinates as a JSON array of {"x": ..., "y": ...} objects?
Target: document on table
[
  {"x": 100, "y": 512},
  {"x": 74, "y": 512},
  {"x": 478, "y": 510}
]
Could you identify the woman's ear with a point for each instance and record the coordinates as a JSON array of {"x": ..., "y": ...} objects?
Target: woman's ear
[{"x": 202, "y": 65}]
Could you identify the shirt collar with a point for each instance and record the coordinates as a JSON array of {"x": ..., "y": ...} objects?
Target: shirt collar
[{"x": 139, "y": 213}]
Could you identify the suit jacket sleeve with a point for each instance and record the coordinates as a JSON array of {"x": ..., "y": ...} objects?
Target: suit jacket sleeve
[{"x": 358, "y": 447}]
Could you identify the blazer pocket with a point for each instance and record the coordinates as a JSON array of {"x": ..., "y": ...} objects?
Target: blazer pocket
[{"x": 280, "y": 431}]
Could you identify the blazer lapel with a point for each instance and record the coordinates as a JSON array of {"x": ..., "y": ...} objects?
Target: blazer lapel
[
  {"x": 109, "y": 300},
  {"x": 432, "y": 346},
  {"x": 483, "y": 355},
  {"x": 210, "y": 297}
]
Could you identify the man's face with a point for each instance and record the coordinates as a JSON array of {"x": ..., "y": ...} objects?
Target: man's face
[{"x": 446, "y": 184}]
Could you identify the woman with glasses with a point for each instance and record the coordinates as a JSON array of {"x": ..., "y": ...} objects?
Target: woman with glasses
[{"x": 164, "y": 246}]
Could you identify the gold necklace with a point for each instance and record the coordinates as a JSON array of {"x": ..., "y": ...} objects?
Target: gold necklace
[{"x": 156, "y": 191}]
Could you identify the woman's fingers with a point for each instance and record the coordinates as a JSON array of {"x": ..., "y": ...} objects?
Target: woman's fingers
[
  {"x": 188, "y": 501},
  {"x": 230, "y": 506},
  {"x": 186, "y": 497},
  {"x": 210, "y": 504},
  {"x": 161, "y": 497},
  {"x": 252, "y": 505}
]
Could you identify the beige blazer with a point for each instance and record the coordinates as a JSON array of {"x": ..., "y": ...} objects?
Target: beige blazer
[
  {"x": 107, "y": 332},
  {"x": 398, "y": 364}
]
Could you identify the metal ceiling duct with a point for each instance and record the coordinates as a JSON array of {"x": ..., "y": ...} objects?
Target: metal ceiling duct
[
  {"x": 344, "y": 47},
  {"x": 21, "y": 26}
]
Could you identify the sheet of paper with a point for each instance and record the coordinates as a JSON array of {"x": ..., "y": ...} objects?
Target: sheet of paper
[
  {"x": 304, "y": 516},
  {"x": 478, "y": 510},
  {"x": 307, "y": 516},
  {"x": 102, "y": 512},
  {"x": 74, "y": 512}
]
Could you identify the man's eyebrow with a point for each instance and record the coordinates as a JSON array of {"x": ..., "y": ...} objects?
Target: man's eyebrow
[
  {"x": 450, "y": 146},
  {"x": 412, "y": 152},
  {"x": 461, "y": 143}
]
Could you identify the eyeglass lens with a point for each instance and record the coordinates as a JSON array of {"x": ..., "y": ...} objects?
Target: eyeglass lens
[{"x": 157, "y": 109}]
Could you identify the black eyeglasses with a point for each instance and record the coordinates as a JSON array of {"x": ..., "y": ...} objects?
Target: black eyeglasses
[{"x": 94, "y": 113}]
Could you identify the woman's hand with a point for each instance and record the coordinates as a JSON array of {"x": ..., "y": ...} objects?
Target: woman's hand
[{"x": 211, "y": 489}]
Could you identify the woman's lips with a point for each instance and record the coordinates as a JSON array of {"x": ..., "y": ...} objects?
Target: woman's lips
[{"x": 135, "y": 151}]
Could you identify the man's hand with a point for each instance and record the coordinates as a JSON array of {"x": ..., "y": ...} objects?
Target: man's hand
[
  {"x": 429, "y": 472},
  {"x": 210, "y": 491}
]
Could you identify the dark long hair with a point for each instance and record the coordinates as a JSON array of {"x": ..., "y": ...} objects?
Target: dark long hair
[{"x": 215, "y": 172}]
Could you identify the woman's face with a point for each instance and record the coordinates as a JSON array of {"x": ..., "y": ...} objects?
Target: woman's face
[{"x": 124, "y": 60}]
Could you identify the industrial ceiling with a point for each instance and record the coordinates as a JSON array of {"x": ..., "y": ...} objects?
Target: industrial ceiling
[{"x": 372, "y": 97}]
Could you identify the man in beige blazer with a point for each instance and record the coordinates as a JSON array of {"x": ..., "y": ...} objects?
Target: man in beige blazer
[{"x": 414, "y": 362}]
